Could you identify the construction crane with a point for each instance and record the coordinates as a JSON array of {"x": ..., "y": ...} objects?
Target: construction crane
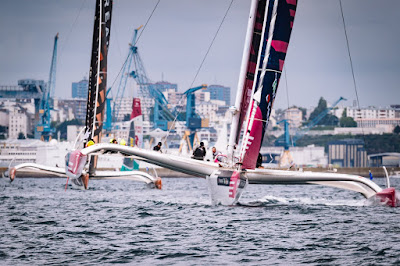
[
  {"x": 43, "y": 128},
  {"x": 284, "y": 140},
  {"x": 120, "y": 90},
  {"x": 134, "y": 68},
  {"x": 193, "y": 120}
]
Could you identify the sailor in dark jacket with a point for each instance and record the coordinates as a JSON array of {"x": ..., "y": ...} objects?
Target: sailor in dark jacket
[
  {"x": 199, "y": 152},
  {"x": 158, "y": 147}
]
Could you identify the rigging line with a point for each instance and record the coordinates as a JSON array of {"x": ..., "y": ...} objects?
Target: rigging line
[
  {"x": 352, "y": 69},
  {"x": 211, "y": 44},
  {"x": 287, "y": 98},
  {"x": 70, "y": 30},
  {"x": 144, "y": 27},
  {"x": 204, "y": 58}
]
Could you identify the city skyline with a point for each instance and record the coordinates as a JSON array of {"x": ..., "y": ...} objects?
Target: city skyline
[{"x": 177, "y": 37}]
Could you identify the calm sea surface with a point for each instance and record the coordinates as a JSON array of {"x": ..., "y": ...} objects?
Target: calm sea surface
[{"x": 126, "y": 222}]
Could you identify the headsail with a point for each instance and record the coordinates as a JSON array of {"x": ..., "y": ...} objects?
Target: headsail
[
  {"x": 278, "y": 23},
  {"x": 98, "y": 72},
  {"x": 135, "y": 134}
]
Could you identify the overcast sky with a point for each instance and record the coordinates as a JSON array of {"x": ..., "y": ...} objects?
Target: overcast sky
[{"x": 178, "y": 35}]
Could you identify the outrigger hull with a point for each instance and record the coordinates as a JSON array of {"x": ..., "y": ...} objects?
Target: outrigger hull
[{"x": 81, "y": 182}]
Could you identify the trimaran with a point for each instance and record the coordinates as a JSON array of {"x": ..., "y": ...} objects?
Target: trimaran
[
  {"x": 267, "y": 38},
  {"x": 95, "y": 111}
]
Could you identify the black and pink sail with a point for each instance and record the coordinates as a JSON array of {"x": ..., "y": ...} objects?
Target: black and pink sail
[{"x": 275, "y": 19}]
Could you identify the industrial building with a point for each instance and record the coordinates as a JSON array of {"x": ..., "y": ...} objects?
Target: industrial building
[{"x": 347, "y": 153}]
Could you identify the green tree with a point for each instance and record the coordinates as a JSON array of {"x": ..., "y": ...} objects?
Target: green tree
[
  {"x": 396, "y": 129},
  {"x": 21, "y": 135},
  {"x": 328, "y": 119},
  {"x": 63, "y": 127},
  {"x": 345, "y": 121}
]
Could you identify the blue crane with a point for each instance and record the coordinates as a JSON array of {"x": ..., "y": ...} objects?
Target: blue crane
[
  {"x": 43, "y": 128},
  {"x": 193, "y": 120},
  {"x": 284, "y": 140},
  {"x": 113, "y": 113},
  {"x": 134, "y": 68}
]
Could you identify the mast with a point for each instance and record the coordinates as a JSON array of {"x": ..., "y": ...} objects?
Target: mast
[
  {"x": 247, "y": 68},
  {"x": 98, "y": 74},
  {"x": 276, "y": 35}
]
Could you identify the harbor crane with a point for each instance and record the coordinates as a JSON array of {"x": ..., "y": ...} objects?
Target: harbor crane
[
  {"x": 134, "y": 68},
  {"x": 43, "y": 128},
  {"x": 284, "y": 140}
]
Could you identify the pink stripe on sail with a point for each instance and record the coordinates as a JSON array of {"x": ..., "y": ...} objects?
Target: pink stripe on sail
[
  {"x": 292, "y": 12},
  {"x": 291, "y": 2},
  {"x": 281, "y": 62},
  {"x": 280, "y": 46},
  {"x": 254, "y": 144}
]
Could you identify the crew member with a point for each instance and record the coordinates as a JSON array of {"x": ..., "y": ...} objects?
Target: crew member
[
  {"x": 199, "y": 152},
  {"x": 216, "y": 155},
  {"x": 259, "y": 161},
  {"x": 90, "y": 143},
  {"x": 158, "y": 147}
]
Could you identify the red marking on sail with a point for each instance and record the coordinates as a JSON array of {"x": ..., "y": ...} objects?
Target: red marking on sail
[
  {"x": 136, "y": 108},
  {"x": 292, "y": 12},
  {"x": 291, "y": 2},
  {"x": 281, "y": 62},
  {"x": 254, "y": 143},
  {"x": 279, "y": 46}
]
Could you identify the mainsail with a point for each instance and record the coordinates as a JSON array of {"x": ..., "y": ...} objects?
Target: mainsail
[
  {"x": 277, "y": 27},
  {"x": 248, "y": 69},
  {"x": 98, "y": 73}
]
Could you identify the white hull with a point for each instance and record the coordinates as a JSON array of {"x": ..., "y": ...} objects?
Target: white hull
[{"x": 58, "y": 171}]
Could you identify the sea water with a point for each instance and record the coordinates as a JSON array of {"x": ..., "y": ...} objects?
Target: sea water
[{"x": 127, "y": 222}]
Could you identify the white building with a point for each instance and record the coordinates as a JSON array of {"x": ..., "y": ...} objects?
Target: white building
[
  {"x": 18, "y": 123},
  {"x": 371, "y": 113},
  {"x": 294, "y": 116},
  {"x": 372, "y": 117}
]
